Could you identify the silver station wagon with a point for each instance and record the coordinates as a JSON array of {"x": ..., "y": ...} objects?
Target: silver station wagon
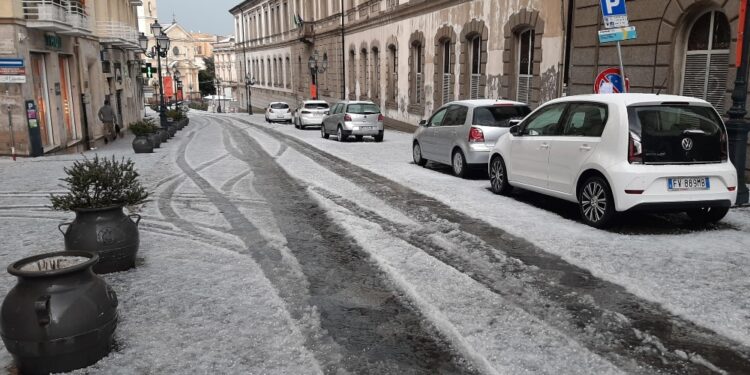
[{"x": 462, "y": 134}]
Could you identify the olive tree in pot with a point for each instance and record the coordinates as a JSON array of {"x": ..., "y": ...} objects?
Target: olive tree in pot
[
  {"x": 154, "y": 136},
  {"x": 98, "y": 190},
  {"x": 142, "y": 144},
  {"x": 59, "y": 316}
]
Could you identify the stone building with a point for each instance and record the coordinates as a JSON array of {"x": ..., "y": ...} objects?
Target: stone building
[
  {"x": 410, "y": 57},
  {"x": 685, "y": 47},
  {"x": 76, "y": 54},
  {"x": 225, "y": 65}
]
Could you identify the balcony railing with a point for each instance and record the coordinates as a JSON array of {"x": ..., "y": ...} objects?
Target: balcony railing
[
  {"x": 78, "y": 19},
  {"x": 307, "y": 32},
  {"x": 49, "y": 15},
  {"x": 117, "y": 34}
]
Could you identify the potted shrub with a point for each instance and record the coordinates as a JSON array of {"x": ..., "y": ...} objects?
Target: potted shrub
[
  {"x": 142, "y": 143},
  {"x": 59, "y": 316},
  {"x": 154, "y": 136},
  {"x": 177, "y": 118},
  {"x": 172, "y": 119},
  {"x": 98, "y": 190}
]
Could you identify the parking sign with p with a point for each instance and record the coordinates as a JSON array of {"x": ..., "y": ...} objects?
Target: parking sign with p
[{"x": 615, "y": 14}]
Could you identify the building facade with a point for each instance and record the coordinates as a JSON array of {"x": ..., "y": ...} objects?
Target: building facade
[
  {"x": 410, "y": 57},
  {"x": 76, "y": 54},
  {"x": 225, "y": 65},
  {"x": 683, "y": 47}
]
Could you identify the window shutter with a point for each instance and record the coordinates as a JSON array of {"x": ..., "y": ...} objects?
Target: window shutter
[
  {"x": 446, "y": 88},
  {"x": 694, "y": 79},
  {"x": 475, "y": 86},
  {"x": 524, "y": 89},
  {"x": 717, "y": 80}
]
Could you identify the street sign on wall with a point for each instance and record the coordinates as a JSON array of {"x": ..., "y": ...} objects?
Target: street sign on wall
[
  {"x": 12, "y": 71},
  {"x": 615, "y": 14}
]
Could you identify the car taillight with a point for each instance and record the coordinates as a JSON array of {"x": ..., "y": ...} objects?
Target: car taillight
[
  {"x": 347, "y": 118},
  {"x": 381, "y": 117},
  {"x": 476, "y": 135},
  {"x": 724, "y": 147},
  {"x": 635, "y": 149}
]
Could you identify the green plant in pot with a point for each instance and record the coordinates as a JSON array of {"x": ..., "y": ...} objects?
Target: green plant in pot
[
  {"x": 98, "y": 190},
  {"x": 142, "y": 144},
  {"x": 174, "y": 118},
  {"x": 155, "y": 135}
]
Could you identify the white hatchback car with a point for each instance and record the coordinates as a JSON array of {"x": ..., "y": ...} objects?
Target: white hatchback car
[
  {"x": 278, "y": 111},
  {"x": 619, "y": 152},
  {"x": 310, "y": 113}
]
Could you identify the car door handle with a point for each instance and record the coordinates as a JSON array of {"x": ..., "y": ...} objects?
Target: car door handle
[
  {"x": 544, "y": 146},
  {"x": 585, "y": 148}
]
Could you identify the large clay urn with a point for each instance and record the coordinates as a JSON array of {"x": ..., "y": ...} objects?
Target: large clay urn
[
  {"x": 60, "y": 316},
  {"x": 109, "y": 233}
]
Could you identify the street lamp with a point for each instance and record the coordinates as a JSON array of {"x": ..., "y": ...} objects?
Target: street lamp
[
  {"x": 160, "y": 50},
  {"x": 316, "y": 68},
  {"x": 178, "y": 79},
  {"x": 218, "y": 92},
  {"x": 737, "y": 127},
  {"x": 249, "y": 81}
]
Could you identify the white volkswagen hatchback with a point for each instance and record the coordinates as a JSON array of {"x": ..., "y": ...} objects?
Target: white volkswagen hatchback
[{"x": 621, "y": 152}]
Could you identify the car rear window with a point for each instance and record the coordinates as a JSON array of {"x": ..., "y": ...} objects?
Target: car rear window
[
  {"x": 316, "y": 106},
  {"x": 279, "y": 106},
  {"x": 499, "y": 116},
  {"x": 362, "y": 109},
  {"x": 678, "y": 133}
]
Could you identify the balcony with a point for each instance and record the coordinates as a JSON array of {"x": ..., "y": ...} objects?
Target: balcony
[
  {"x": 117, "y": 34},
  {"x": 78, "y": 19},
  {"x": 47, "y": 15},
  {"x": 136, "y": 3},
  {"x": 306, "y": 32}
]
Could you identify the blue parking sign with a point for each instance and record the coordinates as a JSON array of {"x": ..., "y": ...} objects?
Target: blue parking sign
[{"x": 613, "y": 8}]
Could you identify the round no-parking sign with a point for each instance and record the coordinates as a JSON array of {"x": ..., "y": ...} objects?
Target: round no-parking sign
[{"x": 609, "y": 81}]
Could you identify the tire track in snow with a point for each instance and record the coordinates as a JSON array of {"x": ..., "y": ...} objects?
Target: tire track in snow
[
  {"x": 373, "y": 330},
  {"x": 656, "y": 338}
]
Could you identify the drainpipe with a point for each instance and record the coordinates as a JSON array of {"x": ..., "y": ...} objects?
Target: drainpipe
[
  {"x": 343, "y": 55},
  {"x": 81, "y": 85}
]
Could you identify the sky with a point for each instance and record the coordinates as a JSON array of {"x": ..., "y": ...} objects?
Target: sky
[{"x": 199, "y": 15}]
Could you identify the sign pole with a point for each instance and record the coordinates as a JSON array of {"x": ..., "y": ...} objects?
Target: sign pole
[
  {"x": 12, "y": 136},
  {"x": 622, "y": 69}
]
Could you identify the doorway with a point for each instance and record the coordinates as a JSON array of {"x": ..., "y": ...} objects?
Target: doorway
[{"x": 41, "y": 96}]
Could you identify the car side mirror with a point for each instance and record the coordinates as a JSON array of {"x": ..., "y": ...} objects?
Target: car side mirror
[
  {"x": 515, "y": 130},
  {"x": 514, "y": 122},
  {"x": 423, "y": 123}
]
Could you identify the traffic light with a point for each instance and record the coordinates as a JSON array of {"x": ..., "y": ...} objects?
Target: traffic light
[{"x": 148, "y": 70}]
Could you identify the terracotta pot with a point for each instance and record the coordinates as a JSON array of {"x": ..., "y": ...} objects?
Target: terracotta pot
[
  {"x": 60, "y": 316},
  {"x": 109, "y": 233}
]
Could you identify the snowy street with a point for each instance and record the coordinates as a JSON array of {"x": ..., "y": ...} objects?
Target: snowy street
[{"x": 267, "y": 249}]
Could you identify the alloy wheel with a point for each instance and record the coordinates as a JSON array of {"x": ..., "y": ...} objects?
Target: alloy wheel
[
  {"x": 458, "y": 164},
  {"x": 497, "y": 175},
  {"x": 594, "y": 201}
]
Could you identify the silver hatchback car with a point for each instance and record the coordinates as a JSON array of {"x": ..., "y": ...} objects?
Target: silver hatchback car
[
  {"x": 357, "y": 118},
  {"x": 463, "y": 133}
]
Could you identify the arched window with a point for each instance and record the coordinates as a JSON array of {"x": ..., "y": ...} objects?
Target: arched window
[
  {"x": 473, "y": 82},
  {"x": 476, "y": 66},
  {"x": 352, "y": 74},
  {"x": 364, "y": 77},
  {"x": 445, "y": 64},
  {"x": 525, "y": 65},
  {"x": 418, "y": 73},
  {"x": 392, "y": 85},
  {"x": 375, "y": 82},
  {"x": 288, "y": 73},
  {"x": 707, "y": 59}
]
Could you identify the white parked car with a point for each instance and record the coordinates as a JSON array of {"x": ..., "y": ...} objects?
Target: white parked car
[
  {"x": 462, "y": 134},
  {"x": 621, "y": 152},
  {"x": 278, "y": 111},
  {"x": 310, "y": 113}
]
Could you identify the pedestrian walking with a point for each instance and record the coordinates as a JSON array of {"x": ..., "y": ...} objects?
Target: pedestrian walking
[{"x": 107, "y": 117}]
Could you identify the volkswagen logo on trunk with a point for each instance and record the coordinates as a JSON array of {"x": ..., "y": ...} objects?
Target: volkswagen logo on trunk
[{"x": 687, "y": 144}]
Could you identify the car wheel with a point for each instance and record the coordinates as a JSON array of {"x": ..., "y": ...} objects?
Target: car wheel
[
  {"x": 708, "y": 215},
  {"x": 499, "y": 176},
  {"x": 459, "y": 164},
  {"x": 323, "y": 133},
  {"x": 340, "y": 135},
  {"x": 595, "y": 202},
  {"x": 379, "y": 137},
  {"x": 359, "y": 138},
  {"x": 416, "y": 153}
]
